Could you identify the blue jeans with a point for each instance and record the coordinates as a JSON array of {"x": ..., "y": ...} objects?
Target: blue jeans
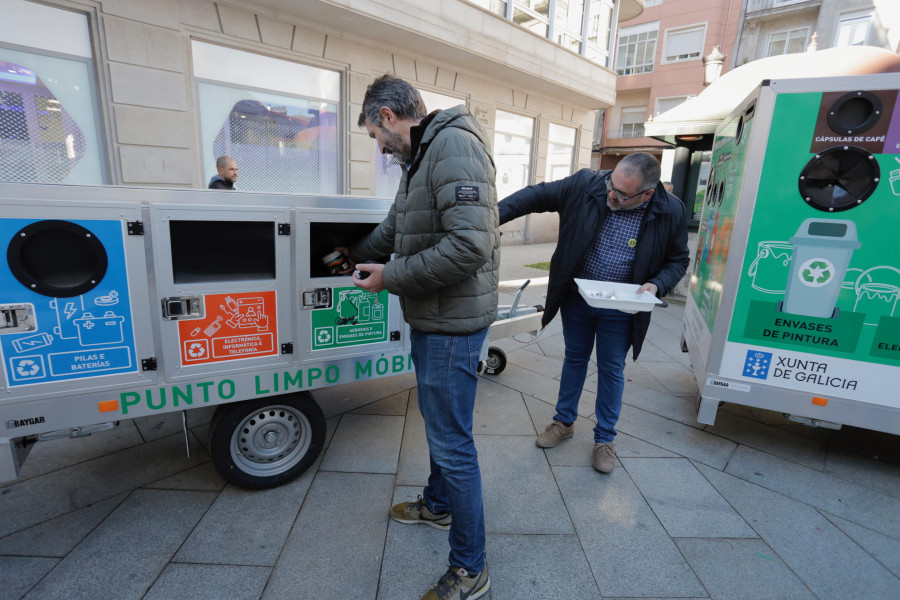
[
  {"x": 583, "y": 327},
  {"x": 446, "y": 374}
]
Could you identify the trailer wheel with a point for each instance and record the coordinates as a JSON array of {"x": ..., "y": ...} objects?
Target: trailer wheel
[
  {"x": 496, "y": 361},
  {"x": 267, "y": 442}
]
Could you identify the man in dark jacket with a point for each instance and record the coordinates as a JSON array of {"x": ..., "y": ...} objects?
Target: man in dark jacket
[
  {"x": 443, "y": 229},
  {"x": 620, "y": 226},
  {"x": 227, "y": 168}
]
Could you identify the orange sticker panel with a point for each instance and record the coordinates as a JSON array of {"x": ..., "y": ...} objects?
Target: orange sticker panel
[{"x": 236, "y": 325}]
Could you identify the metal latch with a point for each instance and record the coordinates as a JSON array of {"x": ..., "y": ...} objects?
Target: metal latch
[
  {"x": 317, "y": 298},
  {"x": 15, "y": 318},
  {"x": 182, "y": 307}
]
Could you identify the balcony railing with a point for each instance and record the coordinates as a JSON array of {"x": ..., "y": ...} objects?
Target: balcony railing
[
  {"x": 627, "y": 132},
  {"x": 761, "y": 5}
]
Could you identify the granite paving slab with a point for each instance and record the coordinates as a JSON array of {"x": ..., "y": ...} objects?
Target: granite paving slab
[
  {"x": 413, "y": 467},
  {"x": 365, "y": 444},
  {"x": 664, "y": 404},
  {"x": 529, "y": 382},
  {"x": 500, "y": 410},
  {"x": 676, "y": 437},
  {"x": 629, "y": 551},
  {"x": 831, "y": 564},
  {"x": 18, "y": 574},
  {"x": 57, "y": 537},
  {"x": 868, "y": 471},
  {"x": 328, "y": 555},
  {"x": 123, "y": 556},
  {"x": 676, "y": 377},
  {"x": 520, "y": 494},
  {"x": 548, "y": 366},
  {"x": 204, "y": 478},
  {"x": 209, "y": 582},
  {"x": 884, "y": 549},
  {"x": 837, "y": 496},
  {"x": 742, "y": 570},
  {"x": 748, "y": 432},
  {"x": 415, "y": 554},
  {"x": 39, "y": 499},
  {"x": 538, "y": 567},
  {"x": 683, "y": 500},
  {"x": 392, "y": 405}
]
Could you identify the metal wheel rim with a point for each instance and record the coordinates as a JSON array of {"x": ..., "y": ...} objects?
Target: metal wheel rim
[
  {"x": 493, "y": 360},
  {"x": 271, "y": 441}
]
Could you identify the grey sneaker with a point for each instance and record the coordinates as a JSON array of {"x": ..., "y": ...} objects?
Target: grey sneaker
[
  {"x": 417, "y": 512},
  {"x": 556, "y": 432},
  {"x": 605, "y": 457},
  {"x": 457, "y": 584}
]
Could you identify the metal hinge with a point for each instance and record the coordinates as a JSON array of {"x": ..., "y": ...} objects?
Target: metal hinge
[
  {"x": 135, "y": 227},
  {"x": 287, "y": 348},
  {"x": 284, "y": 229},
  {"x": 148, "y": 364}
]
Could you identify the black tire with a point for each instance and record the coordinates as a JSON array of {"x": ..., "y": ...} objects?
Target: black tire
[
  {"x": 496, "y": 361},
  {"x": 264, "y": 443}
]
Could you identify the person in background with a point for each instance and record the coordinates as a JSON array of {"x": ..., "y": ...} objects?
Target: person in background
[
  {"x": 443, "y": 229},
  {"x": 618, "y": 226},
  {"x": 669, "y": 187},
  {"x": 227, "y": 168}
]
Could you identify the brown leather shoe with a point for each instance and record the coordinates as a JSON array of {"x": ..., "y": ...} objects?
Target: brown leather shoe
[
  {"x": 604, "y": 457},
  {"x": 556, "y": 432}
]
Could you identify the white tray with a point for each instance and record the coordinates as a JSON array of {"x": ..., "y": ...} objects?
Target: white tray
[{"x": 619, "y": 296}]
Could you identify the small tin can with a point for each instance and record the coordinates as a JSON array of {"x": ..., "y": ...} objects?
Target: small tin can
[{"x": 335, "y": 262}]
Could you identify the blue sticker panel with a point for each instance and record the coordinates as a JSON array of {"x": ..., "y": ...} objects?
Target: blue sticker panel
[{"x": 90, "y": 335}]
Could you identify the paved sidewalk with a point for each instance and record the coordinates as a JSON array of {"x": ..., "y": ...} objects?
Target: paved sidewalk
[{"x": 754, "y": 508}]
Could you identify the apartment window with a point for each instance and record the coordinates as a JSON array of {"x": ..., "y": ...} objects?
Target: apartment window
[
  {"x": 651, "y": 3},
  {"x": 513, "y": 137},
  {"x": 533, "y": 15},
  {"x": 560, "y": 152},
  {"x": 599, "y": 31},
  {"x": 636, "y": 49},
  {"x": 668, "y": 103},
  {"x": 49, "y": 125},
  {"x": 498, "y": 7},
  {"x": 567, "y": 24},
  {"x": 633, "y": 119},
  {"x": 853, "y": 29},
  {"x": 684, "y": 44},
  {"x": 277, "y": 119},
  {"x": 387, "y": 170},
  {"x": 787, "y": 42}
]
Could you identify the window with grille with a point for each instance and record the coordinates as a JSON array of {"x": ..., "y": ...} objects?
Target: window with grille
[
  {"x": 387, "y": 170},
  {"x": 513, "y": 141},
  {"x": 636, "y": 49},
  {"x": 277, "y": 119},
  {"x": 684, "y": 44},
  {"x": 787, "y": 42},
  {"x": 49, "y": 127}
]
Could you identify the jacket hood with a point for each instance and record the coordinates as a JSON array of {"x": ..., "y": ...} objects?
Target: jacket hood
[{"x": 459, "y": 117}]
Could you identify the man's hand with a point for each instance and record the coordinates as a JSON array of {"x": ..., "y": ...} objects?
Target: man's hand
[
  {"x": 346, "y": 252},
  {"x": 375, "y": 281},
  {"x": 648, "y": 287}
]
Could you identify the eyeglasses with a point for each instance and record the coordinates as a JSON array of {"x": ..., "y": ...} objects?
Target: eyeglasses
[{"x": 621, "y": 196}]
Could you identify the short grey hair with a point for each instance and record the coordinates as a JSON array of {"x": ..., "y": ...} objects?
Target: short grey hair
[
  {"x": 642, "y": 165},
  {"x": 399, "y": 96}
]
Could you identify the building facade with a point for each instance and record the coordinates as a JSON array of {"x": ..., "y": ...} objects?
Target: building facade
[{"x": 129, "y": 92}]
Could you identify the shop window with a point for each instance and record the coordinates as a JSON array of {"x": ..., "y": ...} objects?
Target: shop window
[
  {"x": 684, "y": 44},
  {"x": 513, "y": 141},
  {"x": 49, "y": 127},
  {"x": 277, "y": 119},
  {"x": 636, "y": 49},
  {"x": 560, "y": 152}
]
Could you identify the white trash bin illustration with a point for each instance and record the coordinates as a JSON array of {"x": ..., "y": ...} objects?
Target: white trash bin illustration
[{"x": 822, "y": 252}]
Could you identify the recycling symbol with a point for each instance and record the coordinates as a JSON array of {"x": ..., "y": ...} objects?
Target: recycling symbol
[
  {"x": 816, "y": 272},
  {"x": 196, "y": 350},
  {"x": 323, "y": 336},
  {"x": 28, "y": 368}
]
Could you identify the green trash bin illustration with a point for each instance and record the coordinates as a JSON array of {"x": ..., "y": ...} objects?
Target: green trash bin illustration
[{"x": 822, "y": 252}]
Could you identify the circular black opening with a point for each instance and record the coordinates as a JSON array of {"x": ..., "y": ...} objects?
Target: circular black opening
[
  {"x": 839, "y": 178},
  {"x": 854, "y": 113},
  {"x": 57, "y": 258}
]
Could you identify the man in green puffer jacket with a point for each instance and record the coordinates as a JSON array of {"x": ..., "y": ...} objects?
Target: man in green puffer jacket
[{"x": 443, "y": 230}]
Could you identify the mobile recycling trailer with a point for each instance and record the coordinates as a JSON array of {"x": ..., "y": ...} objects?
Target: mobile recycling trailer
[
  {"x": 793, "y": 297},
  {"x": 118, "y": 303}
]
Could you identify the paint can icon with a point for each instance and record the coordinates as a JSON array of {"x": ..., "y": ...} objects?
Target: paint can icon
[{"x": 769, "y": 269}]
